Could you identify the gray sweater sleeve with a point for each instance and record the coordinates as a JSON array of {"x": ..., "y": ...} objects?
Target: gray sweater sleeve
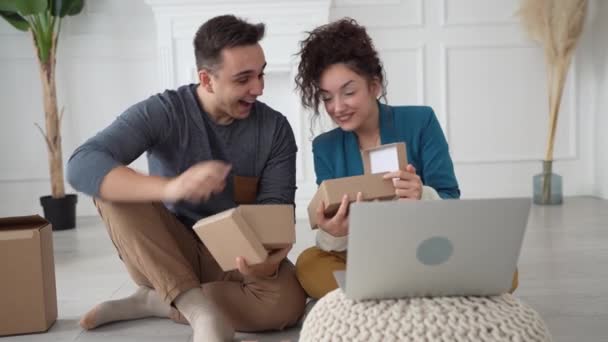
[
  {"x": 278, "y": 179},
  {"x": 136, "y": 130}
]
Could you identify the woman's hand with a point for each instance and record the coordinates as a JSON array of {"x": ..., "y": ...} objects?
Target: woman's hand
[
  {"x": 338, "y": 225},
  {"x": 407, "y": 183}
]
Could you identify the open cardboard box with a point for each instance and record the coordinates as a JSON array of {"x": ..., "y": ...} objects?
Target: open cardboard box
[
  {"x": 273, "y": 224},
  {"x": 28, "y": 296},
  {"x": 372, "y": 185},
  {"x": 384, "y": 158},
  {"x": 249, "y": 231}
]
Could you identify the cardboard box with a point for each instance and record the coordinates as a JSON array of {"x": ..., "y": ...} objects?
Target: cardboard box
[
  {"x": 248, "y": 231},
  {"x": 274, "y": 224},
  {"x": 227, "y": 236},
  {"x": 28, "y": 296},
  {"x": 384, "y": 158},
  {"x": 372, "y": 185}
]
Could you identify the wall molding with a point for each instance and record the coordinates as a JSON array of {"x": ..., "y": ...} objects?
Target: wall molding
[
  {"x": 420, "y": 51},
  {"x": 446, "y": 23},
  {"x": 363, "y": 3},
  {"x": 418, "y": 23},
  {"x": 571, "y": 154}
]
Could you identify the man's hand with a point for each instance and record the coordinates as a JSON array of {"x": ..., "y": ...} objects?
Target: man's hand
[
  {"x": 266, "y": 269},
  {"x": 338, "y": 225},
  {"x": 407, "y": 183},
  {"x": 197, "y": 183}
]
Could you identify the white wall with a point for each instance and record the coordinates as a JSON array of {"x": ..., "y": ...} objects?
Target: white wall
[{"x": 467, "y": 58}]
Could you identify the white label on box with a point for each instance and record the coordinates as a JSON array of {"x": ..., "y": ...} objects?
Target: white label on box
[{"x": 384, "y": 160}]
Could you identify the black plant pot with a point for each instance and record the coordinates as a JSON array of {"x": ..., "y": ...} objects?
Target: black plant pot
[{"x": 61, "y": 212}]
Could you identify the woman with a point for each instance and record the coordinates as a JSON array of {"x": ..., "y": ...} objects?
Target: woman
[{"x": 340, "y": 67}]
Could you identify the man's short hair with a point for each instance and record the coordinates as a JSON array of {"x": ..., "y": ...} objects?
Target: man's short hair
[{"x": 218, "y": 33}]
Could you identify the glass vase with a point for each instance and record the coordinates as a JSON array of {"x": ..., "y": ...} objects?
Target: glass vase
[{"x": 547, "y": 186}]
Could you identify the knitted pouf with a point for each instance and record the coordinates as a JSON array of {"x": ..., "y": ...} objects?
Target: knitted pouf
[{"x": 499, "y": 318}]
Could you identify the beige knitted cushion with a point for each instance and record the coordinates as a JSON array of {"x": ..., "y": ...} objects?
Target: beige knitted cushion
[{"x": 500, "y": 318}]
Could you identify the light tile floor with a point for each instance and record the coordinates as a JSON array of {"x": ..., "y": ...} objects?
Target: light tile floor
[{"x": 563, "y": 275}]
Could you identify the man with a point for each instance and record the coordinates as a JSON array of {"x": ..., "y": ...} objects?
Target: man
[{"x": 210, "y": 146}]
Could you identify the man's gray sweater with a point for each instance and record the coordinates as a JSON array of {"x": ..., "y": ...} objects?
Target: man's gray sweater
[{"x": 176, "y": 133}]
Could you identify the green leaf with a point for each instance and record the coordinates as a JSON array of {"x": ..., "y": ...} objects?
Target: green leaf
[
  {"x": 61, "y": 8},
  {"x": 27, "y": 7},
  {"x": 43, "y": 33},
  {"x": 16, "y": 20},
  {"x": 9, "y": 6}
]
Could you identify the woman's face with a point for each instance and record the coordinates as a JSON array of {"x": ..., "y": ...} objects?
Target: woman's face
[{"x": 349, "y": 98}]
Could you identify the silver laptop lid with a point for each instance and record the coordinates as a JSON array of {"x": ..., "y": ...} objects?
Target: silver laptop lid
[{"x": 434, "y": 248}]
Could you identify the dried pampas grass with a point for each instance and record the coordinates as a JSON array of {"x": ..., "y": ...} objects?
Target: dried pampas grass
[{"x": 557, "y": 26}]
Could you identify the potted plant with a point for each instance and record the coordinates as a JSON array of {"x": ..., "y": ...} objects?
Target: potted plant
[
  {"x": 42, "y": 18},
  {"x": 557, "y": 26}
]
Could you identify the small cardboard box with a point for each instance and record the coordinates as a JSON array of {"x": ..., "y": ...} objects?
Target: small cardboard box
[
  {"x": 227, "y": 236},
  {"x": 248, "y": 231},
  {"x": 372, "y": 185},
  {"x": 28, "y": 296},
  {"x": 274, "y": 224}
]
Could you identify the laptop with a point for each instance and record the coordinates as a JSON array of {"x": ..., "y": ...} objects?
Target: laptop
[{"x": 461, "y": 247}]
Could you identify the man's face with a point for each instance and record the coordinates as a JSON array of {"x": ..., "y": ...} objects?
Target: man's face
[{"x": 238, "y": 80}]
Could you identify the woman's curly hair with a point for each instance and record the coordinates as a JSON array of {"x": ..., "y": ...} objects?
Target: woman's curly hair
[{"x": 342, "y": 41}]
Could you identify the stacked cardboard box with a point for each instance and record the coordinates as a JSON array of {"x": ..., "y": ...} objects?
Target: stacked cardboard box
[
  {"x": 372, "y": 185},
  {"x": 249, "y": 231}
]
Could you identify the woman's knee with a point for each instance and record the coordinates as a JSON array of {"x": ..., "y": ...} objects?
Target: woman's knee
[
  {"x": 309, "y": 262},
  {"x": 314, "y": 269}
]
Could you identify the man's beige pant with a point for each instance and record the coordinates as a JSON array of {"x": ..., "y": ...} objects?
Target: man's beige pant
[{"x": 161, "y": 253}]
